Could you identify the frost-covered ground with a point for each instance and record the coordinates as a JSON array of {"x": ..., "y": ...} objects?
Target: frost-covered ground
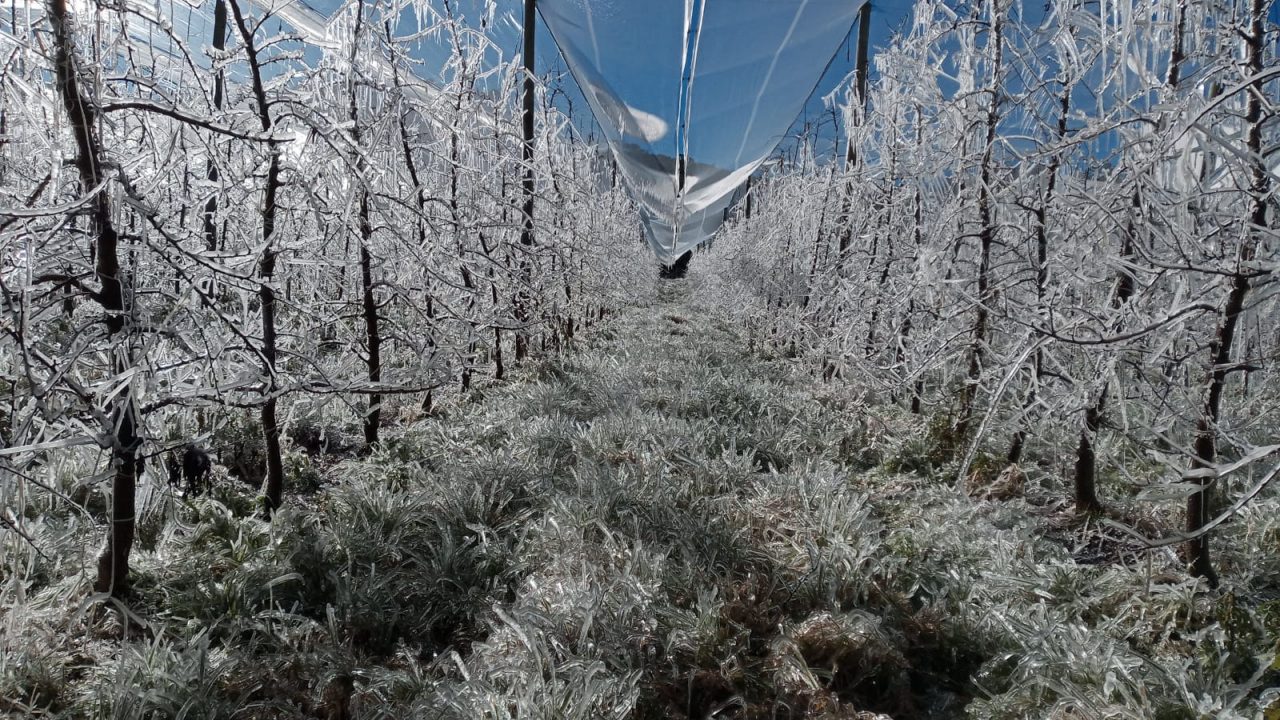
[{"x": 659, "y": 524}]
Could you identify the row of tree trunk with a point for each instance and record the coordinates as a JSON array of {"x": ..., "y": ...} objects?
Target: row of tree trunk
[{"x": 120, "y": 420}]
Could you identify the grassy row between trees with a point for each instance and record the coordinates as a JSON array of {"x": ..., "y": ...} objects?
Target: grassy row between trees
[{"x": 661, "y": 524}]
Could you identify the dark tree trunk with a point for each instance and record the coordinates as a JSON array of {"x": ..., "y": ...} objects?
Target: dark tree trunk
[
  {"x": 499, "y": 371},
  {"x": 273, "y": 491},
  {"x": 819, "y": 239},
  {"x": 884, "y": 222},
  {"x": 113, "y": 563},
  {"x": 469, "y": 284},
  {"x": 1086, "y": 466},
  {"x": 917, "y": 388},
  {"x": 421, "y": 196},
  {"x": 861, "y": 68},
  {"x": 369, "y": 304},
  {"x": 1200, "y": 503},
  {"x": 1086, "y": 459},
  {"x": 526, "y": 155},
  {"x": 986, "y": 238},
  {"x": 373, "y": 338},
  {"x": 211, "y": 205},
  {"x": 455, "y": 215},
  {"x": 1086, "y": 456},
  {"x": 869, "y": 348},
  {"x": 1042, "y": 273}
]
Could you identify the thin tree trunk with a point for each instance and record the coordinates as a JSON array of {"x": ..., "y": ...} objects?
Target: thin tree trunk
[
  {"x": 211, "y": 205},
  {"x": 1042, "y": 270},
  {"x": 986, "y": 238},
  {"x": 818, "y": 240},
  {"x": 1086, "y": 459},
  {"x": 1086, "y": 456},
  {"x": 369, "y": 304},
  {"x": 1200, "y": 503},
  {"x": 882, "y": 230},
  {"x": 917, "y": 389},
  {"x": 463, "y": 270},
  {"x": 886, "y": 221},
  {"x": 455, "y": 158},
  {"x": 113, "y": 563},
  {"x": 527, "y": 183},
  {"x": 861, "y": 68},
  {"x": 499, "y": 371},
  {"x": 273, "y": 490},
  {"x": 421, "y": 196},
  {"x": 373, "y": 338}
]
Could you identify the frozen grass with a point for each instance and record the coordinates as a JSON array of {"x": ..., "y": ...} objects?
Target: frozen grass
[{"x": 657, "y": 525}]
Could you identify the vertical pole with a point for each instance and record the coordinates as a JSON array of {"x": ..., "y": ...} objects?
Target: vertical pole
[
  {"x": 211, "y": 205},
  {"x": 851, "y": 152},
  {"x": 526, "y": 155},
  {"x": 860, "y": 71},
  {"x": 530, "y": 25}
]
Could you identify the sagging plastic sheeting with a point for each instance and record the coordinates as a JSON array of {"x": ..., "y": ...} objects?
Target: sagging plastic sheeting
[{"x": 693, "y": 95}]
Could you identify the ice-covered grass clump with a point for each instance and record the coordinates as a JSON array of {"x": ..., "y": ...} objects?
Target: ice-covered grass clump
[{"x": 659, "y": 524}]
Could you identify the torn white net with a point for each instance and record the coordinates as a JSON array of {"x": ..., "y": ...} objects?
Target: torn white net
[{"x": 693, "y": 95}]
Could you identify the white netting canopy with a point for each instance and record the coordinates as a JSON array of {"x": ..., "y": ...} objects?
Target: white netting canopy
[{"x": 693, "y": 95}]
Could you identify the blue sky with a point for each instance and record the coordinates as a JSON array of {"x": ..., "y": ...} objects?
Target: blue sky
[{"x": 887, "y": 17}]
